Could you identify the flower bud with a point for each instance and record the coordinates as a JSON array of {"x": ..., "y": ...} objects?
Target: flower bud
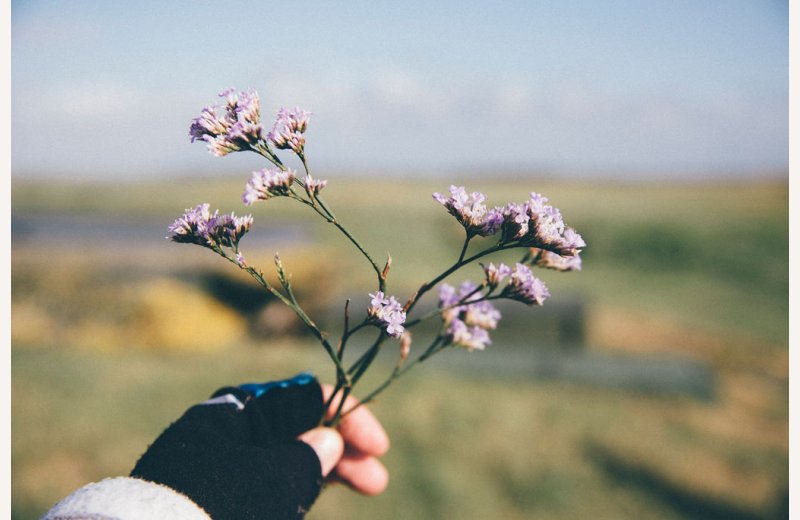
[{"x": 405, "y": 345}]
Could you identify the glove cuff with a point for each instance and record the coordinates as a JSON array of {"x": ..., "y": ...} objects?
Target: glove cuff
[{"x": 126, "y": 498}]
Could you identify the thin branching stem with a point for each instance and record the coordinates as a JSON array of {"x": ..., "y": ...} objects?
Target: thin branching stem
[
  {"x": 464, "y": 248},
  {"x": 292, "y": 303},
  {"x": 399, "y": 370},
  {"x": 438, "y": 311},
  {"x": 447, "y": 272}
]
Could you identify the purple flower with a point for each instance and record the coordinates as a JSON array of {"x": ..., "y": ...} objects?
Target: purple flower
[
  {"x": 537, "y": 224},
  {"x": 447, "y": 295},
  {"x": 525, "y": 287},
  {"x": 232, "y": 127},
  {"x": 267, "y": 183},
  {"x": 462, "y": 335},
  {"x": 492, "y": 222},
  {"x": 227, "y": 230},
  {"x": 313, "y": 186},
  {"x": 199, "y": 226},
  {"x": 481, "y": 314},
  {"x": 550, "y": 260},
  {"x": 388, "y": 313},
  {"x": 192, "y": 226},
  {"x": 516, "y": 219},
  {"x": 496, "y": 274},
  {"x": 470, "y": 211},
  {"x": 240, "y": 260},
  {"x": 288, "y": 130},
  {"x": 462, "y": 311},
  {"x": 570, "y": 243}
]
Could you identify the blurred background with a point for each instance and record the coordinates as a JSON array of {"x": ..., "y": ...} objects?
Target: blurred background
[{"x": 653, "y": 384}]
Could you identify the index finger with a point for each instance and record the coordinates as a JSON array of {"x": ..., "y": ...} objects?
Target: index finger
[{"x": 360, "y": 429}]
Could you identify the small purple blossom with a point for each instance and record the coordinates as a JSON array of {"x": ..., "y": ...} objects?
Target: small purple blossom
[
  {"x": 232, "y": 127},
  {"x": 481, "y": 314},
  {"x": 447, "y": 296},
  {"x": 388, "y": 313},
  {"x": 267, "y": 183},
  {"x": 467, "y": 320},
  {"x": 492, "y": 222},
  {"x": 515, "y": 225},
  {"x": 313, "y": 186},
  {"x": 199, "y": 226},
  {"x": 470, "y": 211},
  {"x": 192, "y": 226},
  {"x": 470, "y": 337},
  {"x": 227, "y": 230},
  {"x": 571, "y": 243},
  {"x": 525, "y": 287},
  {"x": 287, "y": 132},
  {"x": 240, "y": 260},
  {"x": 496, "y": 274},
  {"x": 550, "y": 260}
]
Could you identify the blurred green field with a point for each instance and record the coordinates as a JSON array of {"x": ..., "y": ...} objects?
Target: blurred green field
[
  {"x": 713, "y": 256},
  {"x": 694, "y": 270}
]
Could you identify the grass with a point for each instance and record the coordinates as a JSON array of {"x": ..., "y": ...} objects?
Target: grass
[
  {"x": 692, "y": 270},
  {"x": 461, "y": 447}
]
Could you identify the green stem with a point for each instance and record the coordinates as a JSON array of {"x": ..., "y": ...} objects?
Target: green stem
[
  {"x": 437, "y": 311},
  {"x": 340, "y": 369},
  {"x": 453, "y": 268},
  {"x": 331, "y": 218},
  {"x": 399, "y": 371},
  {"x": 265, "y": 152},
  {"x": 464, "y": 249}
]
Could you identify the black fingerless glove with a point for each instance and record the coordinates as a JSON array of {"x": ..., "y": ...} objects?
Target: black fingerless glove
[{"x": 237, "y": 455}]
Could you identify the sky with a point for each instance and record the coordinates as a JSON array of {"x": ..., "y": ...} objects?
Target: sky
[{"x": 643, "y": 88}]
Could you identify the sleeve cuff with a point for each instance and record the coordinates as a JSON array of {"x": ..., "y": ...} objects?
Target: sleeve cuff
[{"x": 126, "y": 498}]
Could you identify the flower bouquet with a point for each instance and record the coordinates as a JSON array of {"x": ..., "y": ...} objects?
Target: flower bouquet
[{"x": 466, "y": 313}]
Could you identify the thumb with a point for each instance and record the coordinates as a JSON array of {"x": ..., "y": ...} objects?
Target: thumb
[{"x": 328, "y": 445}]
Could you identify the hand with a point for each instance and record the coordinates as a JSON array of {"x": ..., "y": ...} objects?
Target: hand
[
  {"x": 255, "y": 451},
  {"x": 349, "y": 453}
]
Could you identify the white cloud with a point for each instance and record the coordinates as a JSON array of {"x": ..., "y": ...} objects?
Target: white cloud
[
  {"x": 96, "y": 100},
  {"x": 399, "y": 88}
]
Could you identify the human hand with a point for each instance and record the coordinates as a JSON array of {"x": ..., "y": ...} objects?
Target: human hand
[
  {"x": 349, "y": 452},
  {"x": 256, "y": 451}
]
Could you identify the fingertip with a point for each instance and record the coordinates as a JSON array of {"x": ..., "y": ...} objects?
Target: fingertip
[
  {"x": 364, "y": 433},
  {"x": 364, "y": 474},
  {"x": 328, "y": 445}
]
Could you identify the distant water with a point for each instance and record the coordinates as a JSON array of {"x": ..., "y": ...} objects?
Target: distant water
[{"x": 93, "y": 229}]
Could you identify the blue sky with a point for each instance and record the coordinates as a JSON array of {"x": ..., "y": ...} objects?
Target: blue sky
[{"x": 632, "y": 88}]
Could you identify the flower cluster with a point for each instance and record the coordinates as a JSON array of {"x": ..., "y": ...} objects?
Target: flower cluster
[
  {"x": 388, "y": 313},
  {"x": 266, "y": 183},
  {"x": 199, "y": 226},
  {"x": 467, "y": 312},
  {"x": 550, "y": 260},
  {"x": 467, "y": 316},
  {"x": 471, "y": 212},
  {"x": 537, "y": 224},
  {"x": 533, "y": 223},
  {"x": 232, "y": 127},
  {"x": 287, "y": 132},
  {"x": 523, "y": 286}
]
